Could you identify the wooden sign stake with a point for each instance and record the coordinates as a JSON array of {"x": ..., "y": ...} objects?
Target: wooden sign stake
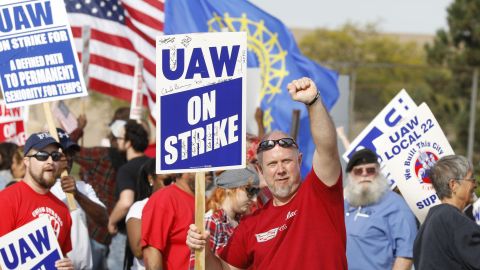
[{"x": 53, "y": 131}]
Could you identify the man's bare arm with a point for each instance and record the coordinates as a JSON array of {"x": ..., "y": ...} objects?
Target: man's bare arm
[
  {"x": 152, "y": 258},
  {"x": 326, "y": 162},
  {"x": 402, "y": 263}
]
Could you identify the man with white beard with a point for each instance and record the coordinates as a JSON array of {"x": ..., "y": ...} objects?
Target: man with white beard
[{"x": 380, "y": 227}]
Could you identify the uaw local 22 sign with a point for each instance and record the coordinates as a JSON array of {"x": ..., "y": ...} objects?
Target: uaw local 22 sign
[
  {"x": 409, "y": 152},
  {"x": 201, "y": 93},
  {"x": 32, "y": 246},
  {"x": 399, "y": 107},
  {"x": 38, "y": 62}
]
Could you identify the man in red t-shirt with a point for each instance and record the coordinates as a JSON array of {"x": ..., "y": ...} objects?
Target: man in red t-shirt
[
  {"x": 165, "y": 221},
  {"x": 303, "y": 226},
  {"x": 31, "y": 197}
]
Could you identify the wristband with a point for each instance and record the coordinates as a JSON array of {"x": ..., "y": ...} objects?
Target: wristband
[{"x": 314, "y": 99}]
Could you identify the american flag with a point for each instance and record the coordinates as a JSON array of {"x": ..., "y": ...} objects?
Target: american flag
[{"x": 122, "y": 31}]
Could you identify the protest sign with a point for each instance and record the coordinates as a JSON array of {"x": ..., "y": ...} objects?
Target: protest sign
[
  {"x": 476, "y": 211},
  {"x": 11, "y": 125},
  {"x": 66, "y": 118},
  {"x": 201, "y": 82},
  {"x": 400, "y": 106},
  {"x": 32, "y": 246},
  {"x": 39, "y": 62},
  {"x": 409, "y": 151}
]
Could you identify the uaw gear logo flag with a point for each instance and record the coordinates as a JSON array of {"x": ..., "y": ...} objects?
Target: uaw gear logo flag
[
  {"x": 409, "y": 152},
  {"x": 271, "y": 49},
  {"x": 423, "y": 164}
]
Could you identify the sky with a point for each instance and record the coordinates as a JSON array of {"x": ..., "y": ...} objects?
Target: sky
[{"x": 392, "y": 16}]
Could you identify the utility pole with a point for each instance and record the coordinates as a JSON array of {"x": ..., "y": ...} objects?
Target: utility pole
[{"x": 473, "y": 112}]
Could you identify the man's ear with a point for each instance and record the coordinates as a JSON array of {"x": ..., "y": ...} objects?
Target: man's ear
[
  {"x": 300, "y": 158},
  {"x": 26, "y": 161}
]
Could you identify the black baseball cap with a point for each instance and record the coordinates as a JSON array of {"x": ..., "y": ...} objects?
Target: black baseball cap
[{"x": 360, "y": 157}]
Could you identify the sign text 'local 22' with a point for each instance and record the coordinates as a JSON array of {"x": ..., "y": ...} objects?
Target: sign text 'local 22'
[
  {"x": 39, "y": 62},
  {"x": 201, "y": 91}
]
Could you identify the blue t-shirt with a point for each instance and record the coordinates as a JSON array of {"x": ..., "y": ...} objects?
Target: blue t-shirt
[{"x": 378, "y": 233}]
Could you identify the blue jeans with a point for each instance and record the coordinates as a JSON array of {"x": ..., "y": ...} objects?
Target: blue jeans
[
  {"x": 117, "y": 252},
  {"x": 99, "y": 255}
]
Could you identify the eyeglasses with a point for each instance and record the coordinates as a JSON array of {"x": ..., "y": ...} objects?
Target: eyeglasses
[
  {"x": 269, "y": 144},
  {"x": 471, "y": 180},
  {"x": 43, "y": 156},
  {"x": 369, "y": 171},
  {"x": 252, "y": 191}
]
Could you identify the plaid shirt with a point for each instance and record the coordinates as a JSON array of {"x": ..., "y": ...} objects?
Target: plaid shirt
[
  {"x": 218, "y": 223},
  {"x": 97, "y": 170}
]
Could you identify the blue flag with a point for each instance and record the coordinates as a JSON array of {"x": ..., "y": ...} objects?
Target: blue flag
[{"x": 271, "y": 48}]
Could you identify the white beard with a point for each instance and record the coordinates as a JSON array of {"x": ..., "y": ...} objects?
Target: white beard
[{"x": 358, "y": 194}]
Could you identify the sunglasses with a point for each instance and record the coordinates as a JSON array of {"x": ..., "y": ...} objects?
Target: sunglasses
[
  {"x": 252, "y": 191},
  {"x": 360, "y": 171},
  {"x": 43, "y": 156},
  {"x": 269, "y": 144}
]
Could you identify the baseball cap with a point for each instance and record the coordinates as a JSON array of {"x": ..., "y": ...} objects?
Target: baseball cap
[
  {"x": 116, "y": 127},
  {"x": 66, "y": 142},
  {"x": 237, "y": 178},
  {"x": 360, "y": 157},
  {"x": 39, "y": 141}
]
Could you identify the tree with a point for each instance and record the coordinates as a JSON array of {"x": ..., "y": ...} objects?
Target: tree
[
  {"x": 458, "y": 49},
  {"x": 383, "y": 65}
]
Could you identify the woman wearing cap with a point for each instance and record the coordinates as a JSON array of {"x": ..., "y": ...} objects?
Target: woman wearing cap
[
  {"x": 148, "y": 182},
  {"x": 230, "y": 200}
]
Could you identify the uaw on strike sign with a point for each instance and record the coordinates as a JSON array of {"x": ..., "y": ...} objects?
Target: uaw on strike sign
[
  {"x": 409, "y": 152},
  {"x": 201, "y": 93},
  {"x": 32, "y": 246},
  {"x": 38, "y": 62}
]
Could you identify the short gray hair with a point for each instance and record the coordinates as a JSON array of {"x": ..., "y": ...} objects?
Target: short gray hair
[{"x": 446, "y": 168}]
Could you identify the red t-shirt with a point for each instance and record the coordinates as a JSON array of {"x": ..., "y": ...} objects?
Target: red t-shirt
[
  {"x": 165, "y": 221},
  {"x": 306, "y": 233},
  {"x": 20, "y": 204}
]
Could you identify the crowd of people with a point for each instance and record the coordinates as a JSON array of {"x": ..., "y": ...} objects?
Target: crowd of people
[{"x": 264, "y": 216}]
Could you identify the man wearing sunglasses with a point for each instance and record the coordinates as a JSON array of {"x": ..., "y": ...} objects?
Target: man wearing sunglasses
[
  {"x": 302, "y": 227},
  {"x": 381, "y": 228},
  {"x": 31, "y": 198}
]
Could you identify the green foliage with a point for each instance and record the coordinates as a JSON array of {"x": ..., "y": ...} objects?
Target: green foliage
[
  {"x": 458, "y": 49},
  {"x": 382, "y": 64}
]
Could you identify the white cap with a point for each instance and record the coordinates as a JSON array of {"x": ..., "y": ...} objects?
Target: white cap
[{"x": 116, "y": 127}]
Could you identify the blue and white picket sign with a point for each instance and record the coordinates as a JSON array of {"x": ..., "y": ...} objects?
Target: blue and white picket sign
[
  {"x": 201, "y": 93},
  {"x": 38, "y": 61},
  {"x": 32, "y": 246},
  {"x": 409, "y": 151},
  {"x": 400, "y": 106}
]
